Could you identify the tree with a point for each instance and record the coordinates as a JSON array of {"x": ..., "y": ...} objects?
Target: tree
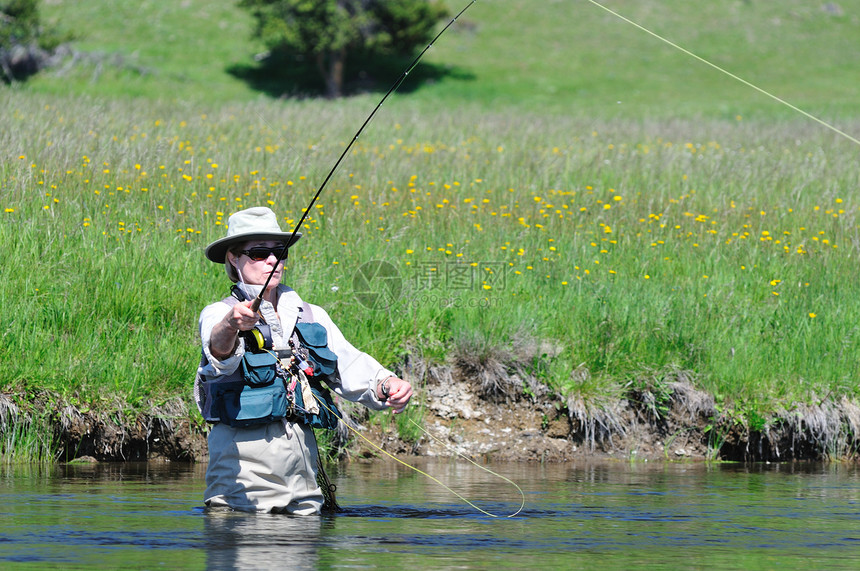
[
  {"x": 24, "y": 42},
  {"x": 329, "y": 32}
]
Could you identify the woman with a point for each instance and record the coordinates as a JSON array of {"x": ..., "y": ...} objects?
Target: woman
[{"x": 270, "y": 463}]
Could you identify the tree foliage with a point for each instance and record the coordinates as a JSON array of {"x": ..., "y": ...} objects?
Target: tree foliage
[
  {"x": 24, "y": 42},
  {"x": 329, "y": 32},
  {"x": 19, "y": 22}
]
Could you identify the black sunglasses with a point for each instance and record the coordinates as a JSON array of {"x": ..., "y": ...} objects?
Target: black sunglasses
[{"x": 260, "y": 253}]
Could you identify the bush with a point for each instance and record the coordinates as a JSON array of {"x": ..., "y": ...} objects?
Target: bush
[{"x": 25, "y": 45}]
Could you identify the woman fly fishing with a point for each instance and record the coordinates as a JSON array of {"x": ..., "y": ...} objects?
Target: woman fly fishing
[{"x": 265, "y": 372}]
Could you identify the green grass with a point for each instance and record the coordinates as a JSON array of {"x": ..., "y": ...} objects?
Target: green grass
[
  {"x": 155, "y": 49},
  {"x": 697, "y": 225},
  {"x": 26, "y": 434},
  {"x": 559, "y": 57},
  {"x": 626, "y": 249}
]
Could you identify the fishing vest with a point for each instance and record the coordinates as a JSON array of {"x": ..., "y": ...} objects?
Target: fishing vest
[{"x": 272, "y": 385}]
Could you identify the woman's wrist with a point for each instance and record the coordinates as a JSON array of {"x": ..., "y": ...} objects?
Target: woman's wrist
[
  {"x": 223, "y": 340},
  {"x": 383, "y": 388}
]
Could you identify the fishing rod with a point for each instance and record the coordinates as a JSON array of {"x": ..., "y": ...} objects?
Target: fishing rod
[{"x": 256, "y": 304}]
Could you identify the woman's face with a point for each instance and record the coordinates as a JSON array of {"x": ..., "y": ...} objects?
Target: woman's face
[{"x": 255, "y": 260}]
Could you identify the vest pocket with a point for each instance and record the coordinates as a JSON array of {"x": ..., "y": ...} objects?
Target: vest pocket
[
  {"x": 242, "y": 405},
  {"x": 259, "y": 369},
  {"x": 329, "y": 414},
  {"x": 314, "y": 338}
]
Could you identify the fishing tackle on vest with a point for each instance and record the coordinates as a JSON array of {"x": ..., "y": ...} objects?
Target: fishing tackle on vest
[
  {"x": 391, "y": 90},
  {"x": 274, "y": 384}
]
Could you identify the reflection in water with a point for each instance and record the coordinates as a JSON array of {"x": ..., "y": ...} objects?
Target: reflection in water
[{"x": 237, "y": 540}]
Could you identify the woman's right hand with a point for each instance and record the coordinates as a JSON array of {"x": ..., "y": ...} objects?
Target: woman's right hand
[
  {"x": 225, "y": 335},
  {"x": 241, "y": 317}
]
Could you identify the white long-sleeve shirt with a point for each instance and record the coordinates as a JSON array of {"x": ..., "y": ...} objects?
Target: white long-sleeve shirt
[{"x": 357, "y": 372}]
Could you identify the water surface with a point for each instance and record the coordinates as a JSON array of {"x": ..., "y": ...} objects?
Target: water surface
[{"x": 578, "y": 515}]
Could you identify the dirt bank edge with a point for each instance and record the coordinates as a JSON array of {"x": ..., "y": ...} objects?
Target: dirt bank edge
[{"x": 681, "y": 423}]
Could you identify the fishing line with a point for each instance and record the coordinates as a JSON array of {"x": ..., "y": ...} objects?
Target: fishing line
[
  {"x": 484, "y": 468},
  {"x": 730, "y": 74},
  {"x": 423, "y": 473},
  {"x": 391, "y": 90}
]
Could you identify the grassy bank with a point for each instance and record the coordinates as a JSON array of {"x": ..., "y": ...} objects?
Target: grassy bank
[
  {"x": 623, "y": 249},
  {"x": 517, "y": 227}
]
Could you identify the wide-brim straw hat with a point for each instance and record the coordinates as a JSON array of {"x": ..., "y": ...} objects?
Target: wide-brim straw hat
[{"x": 258, "y": 223}]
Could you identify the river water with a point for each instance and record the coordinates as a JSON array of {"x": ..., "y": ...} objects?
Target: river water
[{"x": 578, "y": 515}]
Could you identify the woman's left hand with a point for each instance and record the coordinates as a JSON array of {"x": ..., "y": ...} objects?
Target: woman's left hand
[{"x": 399, "y": 392}]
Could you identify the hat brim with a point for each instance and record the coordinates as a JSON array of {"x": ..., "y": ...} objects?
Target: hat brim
[{"x": 217, "y": 250}]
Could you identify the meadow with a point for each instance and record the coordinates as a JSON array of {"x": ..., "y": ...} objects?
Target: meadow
[{"x": 697, "y": 227}]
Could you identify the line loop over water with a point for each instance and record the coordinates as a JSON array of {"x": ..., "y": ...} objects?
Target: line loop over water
[{"x": 423, "y": 473}]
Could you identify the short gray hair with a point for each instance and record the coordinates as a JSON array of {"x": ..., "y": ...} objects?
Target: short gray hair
[{"x": 232, "y": 272}]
